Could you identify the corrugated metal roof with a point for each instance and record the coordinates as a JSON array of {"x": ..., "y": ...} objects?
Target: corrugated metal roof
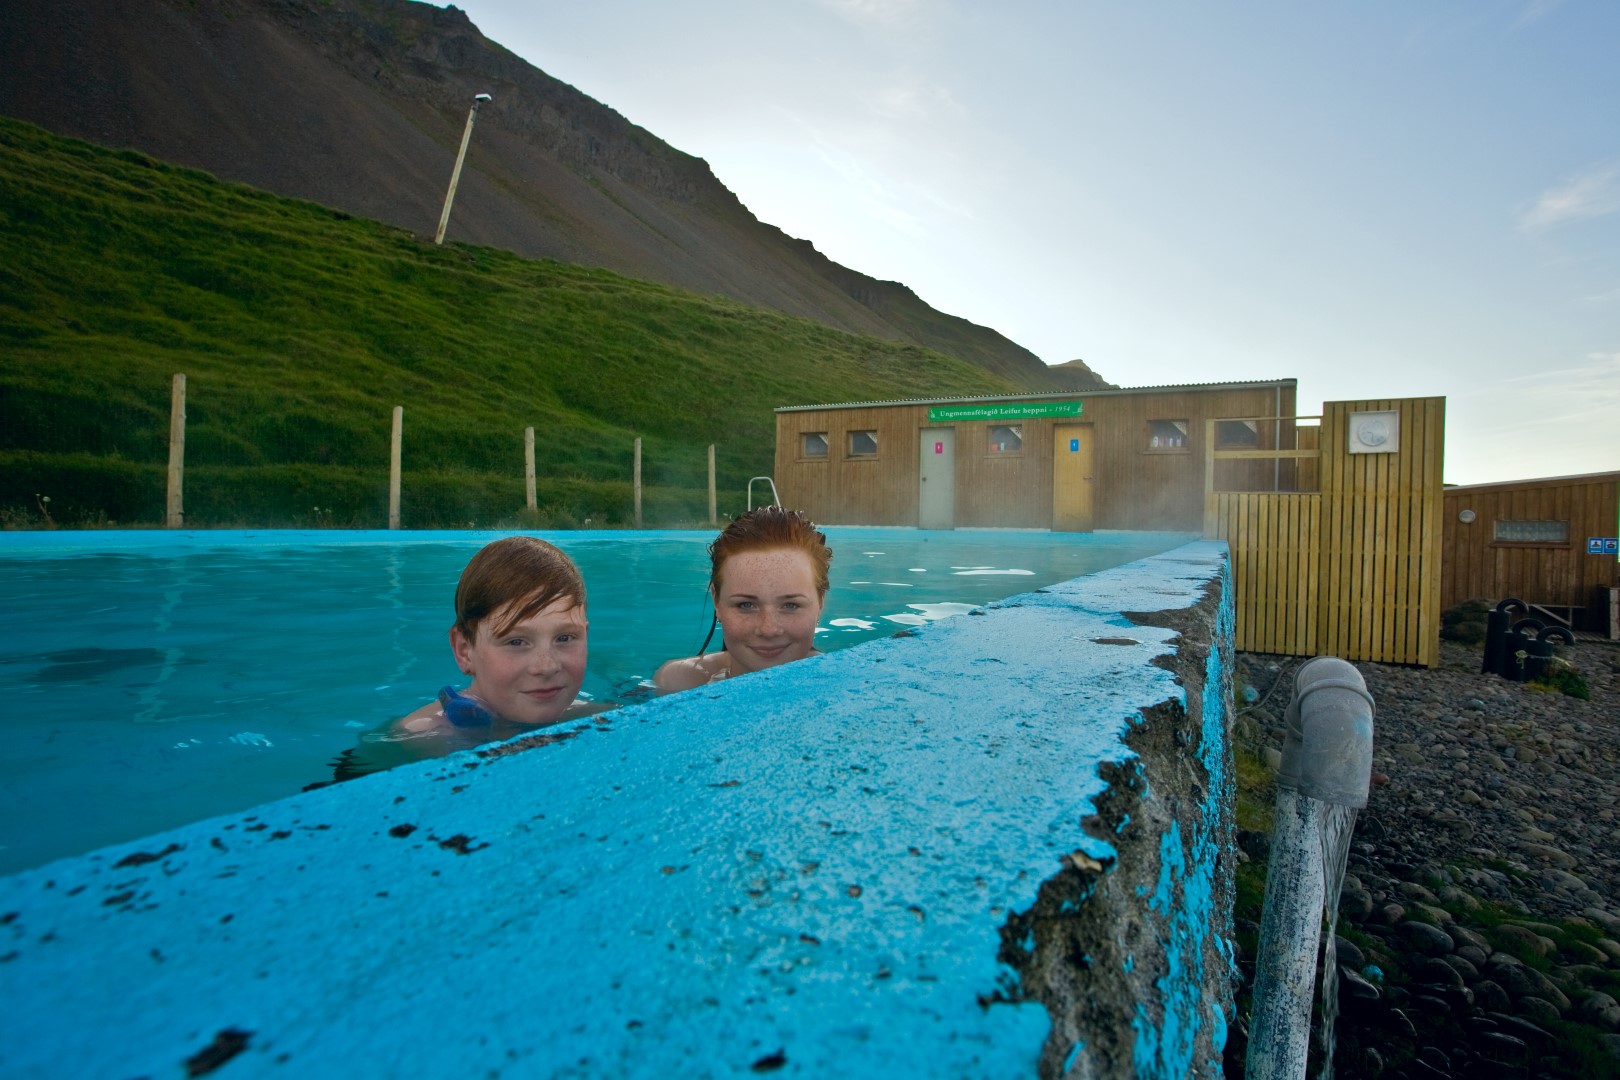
[
  {"x": 974, "y": 399},
  {"x": 1594, "y": 477}
]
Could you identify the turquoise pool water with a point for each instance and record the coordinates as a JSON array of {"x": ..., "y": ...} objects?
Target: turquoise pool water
[{"x": 159, "y": 678}]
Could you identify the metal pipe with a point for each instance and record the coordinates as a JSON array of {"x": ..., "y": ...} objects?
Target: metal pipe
[{"x": 1326, "y": 758}]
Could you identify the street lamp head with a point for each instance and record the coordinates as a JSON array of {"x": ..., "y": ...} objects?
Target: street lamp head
[{"x": 482, "y": 98}]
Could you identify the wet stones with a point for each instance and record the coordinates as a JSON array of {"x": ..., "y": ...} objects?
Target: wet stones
[{"x": 1425, "y": 939}]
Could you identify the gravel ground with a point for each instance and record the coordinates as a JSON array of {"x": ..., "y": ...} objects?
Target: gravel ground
[{"x": 1479, "y": 932}]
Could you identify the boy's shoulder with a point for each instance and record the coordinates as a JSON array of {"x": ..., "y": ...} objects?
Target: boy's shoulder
[{"x": 429, "y": 717}]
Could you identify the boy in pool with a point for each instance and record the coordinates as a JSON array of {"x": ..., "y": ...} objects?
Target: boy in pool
[
  {"x": 520, "y": 632},
  {"x": 768, "y": 579}
]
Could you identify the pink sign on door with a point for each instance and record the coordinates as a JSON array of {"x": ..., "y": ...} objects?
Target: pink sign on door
[{"x": 939, "y": 448}]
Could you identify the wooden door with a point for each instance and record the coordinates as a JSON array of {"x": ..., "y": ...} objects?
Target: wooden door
[{"x": 1072, "y": 454}]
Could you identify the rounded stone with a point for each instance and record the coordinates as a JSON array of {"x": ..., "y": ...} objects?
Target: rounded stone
[
  {"x": 1601, "y": 1011},
  {"x": 1521, "y": 939},
  {"x": 1491, "y": 997},
  {"x": 1579, "y": 952},
  {"x": 1426, "y": 939},
  {"x": 1458, "y": 898},
  {"x": 1500, "y": 1046},
  {"x": 1462, "y": 965},
  {"x": 1604, "y": 918},
  {"x": 1435, "y": 970},
  {"x": 1438, "y": 915},
  {"x": 1461, "y": 935},
  {"x": 1354, "y": 986},
  {"x": 1539, "y": 1011},
  {"x": 1411, "y": 890},
  {"x": 1355, "y": 904},
  {"x": 1350, "y": 957}
]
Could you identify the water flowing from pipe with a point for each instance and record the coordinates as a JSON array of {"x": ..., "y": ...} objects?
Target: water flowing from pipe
[{"x": 1338, "y": 825}]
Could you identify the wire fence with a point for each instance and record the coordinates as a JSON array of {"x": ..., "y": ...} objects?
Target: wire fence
[{"x": 56, "y": 471}]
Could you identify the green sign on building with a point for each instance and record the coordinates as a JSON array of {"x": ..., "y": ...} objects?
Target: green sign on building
[{"x": 1009, "y": 410}]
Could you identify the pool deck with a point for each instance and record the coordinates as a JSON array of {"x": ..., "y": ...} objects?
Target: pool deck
[{"x": 876, "y": 862}]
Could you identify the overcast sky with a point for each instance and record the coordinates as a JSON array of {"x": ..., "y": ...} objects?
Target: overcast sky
[{"x": 1378, "y": 198}]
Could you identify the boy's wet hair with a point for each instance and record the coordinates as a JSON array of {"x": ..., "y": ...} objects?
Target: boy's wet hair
[
  {"x": 521, "y": 571},
  {"x": 767, "y": 528}
]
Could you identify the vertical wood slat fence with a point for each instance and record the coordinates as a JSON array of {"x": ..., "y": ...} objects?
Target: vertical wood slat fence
[{"x": 1352, "y": 570}]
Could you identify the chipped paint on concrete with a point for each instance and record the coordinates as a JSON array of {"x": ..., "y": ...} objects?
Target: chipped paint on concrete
[
  {"x": 1193, "y": 894},
  {"x": 805, "y": 871}
]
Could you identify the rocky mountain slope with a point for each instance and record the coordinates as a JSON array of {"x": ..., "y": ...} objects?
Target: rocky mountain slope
[{"x": 359, "y": 105}]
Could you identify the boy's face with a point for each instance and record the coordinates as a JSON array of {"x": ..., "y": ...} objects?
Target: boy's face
[{"x": 531, "y": 673}]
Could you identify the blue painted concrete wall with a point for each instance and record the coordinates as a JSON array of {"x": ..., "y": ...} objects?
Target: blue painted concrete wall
[{"x": 860, "y": 864}]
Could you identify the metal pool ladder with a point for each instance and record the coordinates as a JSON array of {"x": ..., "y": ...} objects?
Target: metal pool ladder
[{"x": 776, "y": 500}]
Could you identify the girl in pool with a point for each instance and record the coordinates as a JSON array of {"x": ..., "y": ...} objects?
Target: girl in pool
[
  {"x": 768, "y": 581},
  {"x": 520, "y": 633}
]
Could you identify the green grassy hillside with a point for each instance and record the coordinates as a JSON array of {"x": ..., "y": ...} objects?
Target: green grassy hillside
[{"x": 300, "y": 328}]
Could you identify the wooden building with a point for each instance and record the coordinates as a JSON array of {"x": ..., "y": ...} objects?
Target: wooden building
[
  {"x": 1532, "y": 539},
  {"x": 1108, "y": 459},
  {"x": 1349, "y": 564}
]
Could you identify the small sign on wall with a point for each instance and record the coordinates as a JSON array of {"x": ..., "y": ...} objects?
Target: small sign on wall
[
  {"x": 1603, "y": 545},
  {"x": 1375, "y": 432},
  {"x": 1074, "y": 446}
]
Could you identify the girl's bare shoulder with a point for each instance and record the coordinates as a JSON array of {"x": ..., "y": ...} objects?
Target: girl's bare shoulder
[{"x": 690, "y": 671}]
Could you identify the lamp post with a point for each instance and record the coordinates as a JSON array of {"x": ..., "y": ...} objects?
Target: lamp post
[{"x": 455, "y": 176}]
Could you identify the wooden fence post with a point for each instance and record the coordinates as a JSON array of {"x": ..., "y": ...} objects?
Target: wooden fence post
[
  {"x": 637, "y": 482},
  {"x": 713, "y": 517},
  {"x": 175, "y": 512},
  {"x": 393, "y": 466},
  {"x": 528, "y": 467}
]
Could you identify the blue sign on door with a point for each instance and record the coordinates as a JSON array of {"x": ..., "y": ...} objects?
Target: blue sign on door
[
  {"x": 1602, "y": 545},
  {"x": 1074, "y": 446}
]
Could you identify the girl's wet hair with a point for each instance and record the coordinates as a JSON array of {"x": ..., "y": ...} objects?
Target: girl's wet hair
[
  {"x": 522, "y": 572},
  {"x": 768, "y": 528}
]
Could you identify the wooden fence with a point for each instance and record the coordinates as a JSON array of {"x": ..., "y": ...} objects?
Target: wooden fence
[
  {"x": 1353, "y": 569},
  {"x": 175, "y": 514}
]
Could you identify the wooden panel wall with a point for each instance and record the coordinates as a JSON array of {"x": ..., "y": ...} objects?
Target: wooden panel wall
[
  {"x": 841, "y": 490},
  {"x": 1355, "y": 571},
  {"x": 1379, "y": 598},
  {"x": 1477, "y": 566},
  {"x": 1136, "y": 486}
]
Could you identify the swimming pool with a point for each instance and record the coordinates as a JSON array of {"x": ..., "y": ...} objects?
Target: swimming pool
[{"x": 159, "y": 678}]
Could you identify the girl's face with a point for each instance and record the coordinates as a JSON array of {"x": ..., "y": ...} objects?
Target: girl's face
[
  {"x": 531, "y": 673},
  {"x": 768, "y": 607}
]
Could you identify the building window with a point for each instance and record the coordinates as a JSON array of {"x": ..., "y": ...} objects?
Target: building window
[
  {"x": 1167, "y": 435},
  {"x": 863, "y": 444},
  {"x": 813, "y": 444},
  {"x": 1532, "y": 532},
  {"x": 1006, "y": 440},
  {"x": 1237, "y": 435}
]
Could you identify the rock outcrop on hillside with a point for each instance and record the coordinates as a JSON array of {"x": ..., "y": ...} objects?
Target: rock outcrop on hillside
[{"x": 359, "y": 105}]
